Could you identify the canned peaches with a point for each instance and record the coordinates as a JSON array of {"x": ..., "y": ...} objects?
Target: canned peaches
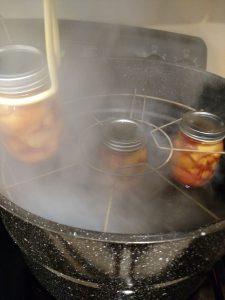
[
  {"x": 198, "y": 148},
  {"x": 124, "y": 149},
  {"x": 30, "y": 132}
]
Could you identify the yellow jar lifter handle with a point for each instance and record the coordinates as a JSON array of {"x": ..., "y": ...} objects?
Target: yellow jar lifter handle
[
  {"x": 52, "y": 40},
  {"x": 53, "y": 58}
]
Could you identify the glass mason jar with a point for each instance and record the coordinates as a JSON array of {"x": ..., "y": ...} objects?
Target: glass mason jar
[
  {"x": 203, "y": 133},
  {"x": 30, "y": 132},
  {"x": 124, "y": 148}
]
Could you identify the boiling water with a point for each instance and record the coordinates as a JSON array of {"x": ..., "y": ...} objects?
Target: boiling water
[{"x": 72, "y": 188}]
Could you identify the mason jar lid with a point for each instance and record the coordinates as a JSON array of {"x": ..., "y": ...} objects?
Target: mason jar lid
[
  {"x": 203, "y": 126},
  {"x": 23, "y": 69},
  {"x": 123, "y": 135}
]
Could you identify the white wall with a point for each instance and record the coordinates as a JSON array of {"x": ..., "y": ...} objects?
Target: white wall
[{"x": 136, "y": 12}]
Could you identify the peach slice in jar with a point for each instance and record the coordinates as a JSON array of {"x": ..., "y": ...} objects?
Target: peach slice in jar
[
  {"x": 185, "y": 178},
  {"x": 22, "y": 118}
]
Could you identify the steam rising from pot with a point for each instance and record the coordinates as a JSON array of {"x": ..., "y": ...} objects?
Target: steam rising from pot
[{"x": 67, "y": 188}]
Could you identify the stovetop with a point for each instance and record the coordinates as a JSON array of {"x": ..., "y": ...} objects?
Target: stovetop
[
  {"x": 93, "y": 40},
  {"x": 16, "y": 280}
]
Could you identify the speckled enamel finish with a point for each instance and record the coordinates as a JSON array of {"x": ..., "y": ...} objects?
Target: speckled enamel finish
[{"x": 76, "y": 264}]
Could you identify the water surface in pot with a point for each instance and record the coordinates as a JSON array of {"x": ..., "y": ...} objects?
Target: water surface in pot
[{"x": 74, "y": 189}]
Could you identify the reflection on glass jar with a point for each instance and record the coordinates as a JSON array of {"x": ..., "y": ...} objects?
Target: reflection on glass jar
[
  {"x": 30, "y": 132},
  {"x": 124, "y": 150},
  {"x": 201, "y": 137}
]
